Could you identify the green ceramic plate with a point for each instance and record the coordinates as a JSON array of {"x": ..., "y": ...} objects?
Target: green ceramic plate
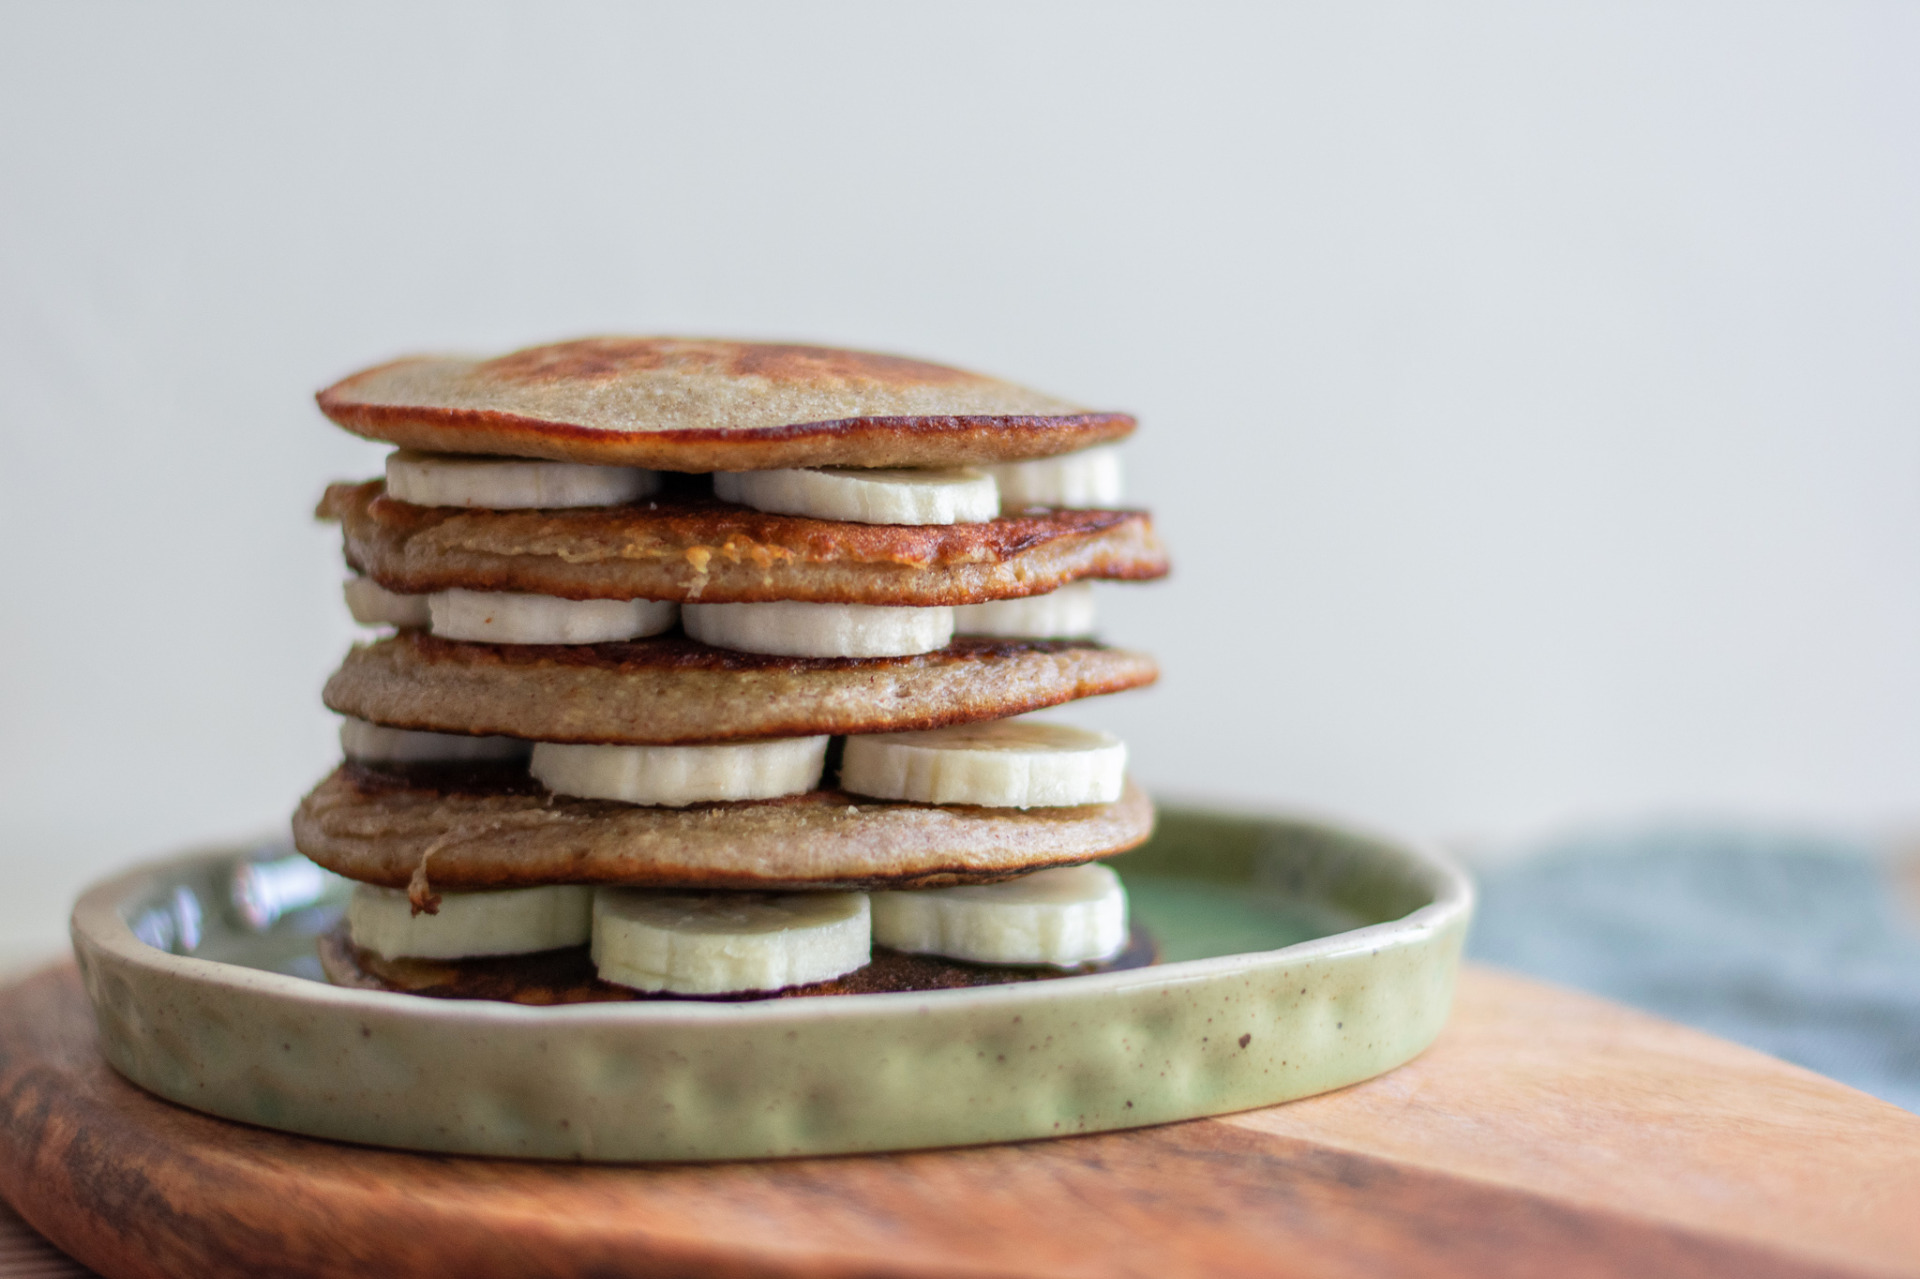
[{"x": 1299, "y": 957}]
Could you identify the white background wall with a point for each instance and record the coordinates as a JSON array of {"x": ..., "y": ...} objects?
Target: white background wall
[{"x": 1531, "y": 393}]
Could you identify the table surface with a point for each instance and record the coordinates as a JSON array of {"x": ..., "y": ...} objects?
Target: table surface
[{"x": 1545, "y": 1132}]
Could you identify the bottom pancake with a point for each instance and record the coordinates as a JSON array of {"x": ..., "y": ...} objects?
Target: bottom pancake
[
  {"x": 567, "y": 976},
  {"x": 495, "y": 827}
]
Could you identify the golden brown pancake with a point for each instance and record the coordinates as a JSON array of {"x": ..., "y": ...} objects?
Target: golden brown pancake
[
  {"x": 693, "y": 548},
  {"x": 567, "y": 976},
  {"x": 495, "y": 827},
  {"x": 673, "y": 690},
  {"x": 679, "y": 404}
]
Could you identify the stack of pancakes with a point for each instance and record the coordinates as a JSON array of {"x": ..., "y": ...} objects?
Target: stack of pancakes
[{"x": 627, "y": 737}]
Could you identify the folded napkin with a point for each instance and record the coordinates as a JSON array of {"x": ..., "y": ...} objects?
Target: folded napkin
[{"x": 1796, "y": 945}]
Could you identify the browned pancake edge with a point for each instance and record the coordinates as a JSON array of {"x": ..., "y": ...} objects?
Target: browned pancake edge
[{"x": 690, "y": 548}]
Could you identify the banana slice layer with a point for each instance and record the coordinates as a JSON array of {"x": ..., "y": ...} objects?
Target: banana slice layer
[
  {"x": 500, "y": 617},
  {"x": 722, "y": 943},
  {"x": 1072, "y": 915},
  {"x": 500, "y": 921},
  {"x": 790, "y": 628},
  {"x": 374, "y": 605},
  {"x": 369, "y": 743},
  {"x": 1004, "y": 763},
  {"x": 675, "y": 776},
  {"x": 952, "y": 495},
  {"x": 1063, "y": 614},
  {"x": 1090, "y": 478},
  {"x": 511, "y": 483}
]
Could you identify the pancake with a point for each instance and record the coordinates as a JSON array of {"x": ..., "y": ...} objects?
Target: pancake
[
  {"x": 695, "y": 548},
  {"x": 567, "y": 976},
  {"x": 494, "y": 827},
  {"x": 678, "y": 404},
  {"x": 672, "y": 690}
]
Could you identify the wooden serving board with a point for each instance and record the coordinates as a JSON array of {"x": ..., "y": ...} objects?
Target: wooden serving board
[{"x": 1546, "y": 1133}]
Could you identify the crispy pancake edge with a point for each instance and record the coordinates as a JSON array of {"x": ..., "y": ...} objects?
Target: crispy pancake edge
[{"x": 692, "y": 550}]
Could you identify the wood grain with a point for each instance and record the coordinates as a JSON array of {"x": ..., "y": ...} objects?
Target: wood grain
[
  {"x": 25, "y": 1255},
  {"x": 1546, "y": 1133}
]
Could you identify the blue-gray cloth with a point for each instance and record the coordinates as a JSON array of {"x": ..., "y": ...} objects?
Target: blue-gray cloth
[{"x": 1795, "y": 945}]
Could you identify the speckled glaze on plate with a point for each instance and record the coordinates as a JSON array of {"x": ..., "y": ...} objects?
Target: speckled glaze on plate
[{"x": 1301, "y": 957}]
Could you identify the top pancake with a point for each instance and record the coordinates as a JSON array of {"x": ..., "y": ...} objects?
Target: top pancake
[{"x": 679, "y": 404}]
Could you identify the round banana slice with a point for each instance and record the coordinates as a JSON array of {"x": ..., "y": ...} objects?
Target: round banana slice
[
  {"x": 1063, "y": 614},
  {"x": 675, "y": 776},
  {"x": 374, "y": 605},
  {"x": 951, "y": 495},
  {"x": 790, "y": 628},
  {"x": 496, "y": 921},
  {"x": 1072, "y": 915},
  {"x": 500, "y": 617},
  {"x": 511, "y": 483},
  {"x": 1089, "y": 478},
  {"x": 377, "y": 744},
  {"x": 722, "y": 943},
  {"x": 1003, "y": 763}
]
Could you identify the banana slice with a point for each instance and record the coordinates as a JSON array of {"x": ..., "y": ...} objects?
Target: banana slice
[
  {"x": 499, "y": 921},
  {"x": 1003, "y": 763},
  {"x": 1072, "y": 915},
  {"x": 790, "y": 628},
  {"x": 1063, "y": 614},
  {"x": 377, "y": 744},
  {"x": 511, "y": 483},
  {"x": 1089, "y": 478},
  {"x": 374, "y": 605},
  {"x": 675, "y": 776},
  {"x": 720, "y": 943},
  {"x": 950, "y": 495},
  {"x": 502, "y": 617}
]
